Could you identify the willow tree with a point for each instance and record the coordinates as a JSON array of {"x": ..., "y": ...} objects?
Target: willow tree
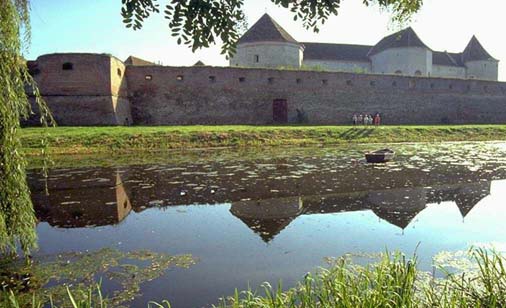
[
  {"x": 17, "y": 217},
  {"x": 199, "y": 23}
]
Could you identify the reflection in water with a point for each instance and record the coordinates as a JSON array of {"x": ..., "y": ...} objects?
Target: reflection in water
[
  {"x": 266, "y": 195},
  {"x": 244, "y": 217},
  {"x": 75, "y": 203},
  {"x": 398, "y": 207}
]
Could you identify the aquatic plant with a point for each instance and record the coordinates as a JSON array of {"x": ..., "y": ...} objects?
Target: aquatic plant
[{"x": 69, "y": 279}]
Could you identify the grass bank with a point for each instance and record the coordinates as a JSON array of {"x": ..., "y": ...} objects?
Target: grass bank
[{"x": 88, "y": 140}]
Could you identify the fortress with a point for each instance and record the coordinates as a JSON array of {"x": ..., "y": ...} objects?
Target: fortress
[{"x": 272, "y": 78}]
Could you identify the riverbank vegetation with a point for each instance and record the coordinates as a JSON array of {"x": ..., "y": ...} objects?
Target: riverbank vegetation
[
  {"x": 394, "y": 281},
  {"x": 94, "y": 140}
]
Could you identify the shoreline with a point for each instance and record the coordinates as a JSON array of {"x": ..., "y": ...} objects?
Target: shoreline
[{"x": 143, "y": 139}]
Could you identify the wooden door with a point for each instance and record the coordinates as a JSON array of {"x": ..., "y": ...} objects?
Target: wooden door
[{"x": 280, "y": 111}]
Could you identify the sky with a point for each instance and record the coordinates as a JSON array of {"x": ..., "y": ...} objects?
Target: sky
[{"x": 96, "y": 26}]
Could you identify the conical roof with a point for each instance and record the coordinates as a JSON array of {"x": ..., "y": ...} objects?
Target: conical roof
[
  {"x": 266, "y": 30},
  {"x": 267, "y": 229},
  {"x": 404, "y": 38},
  {"x": 475, "y": 51},
  {"x": 199, "y": 63}
]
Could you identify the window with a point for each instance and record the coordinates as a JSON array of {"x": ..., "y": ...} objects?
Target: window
[
  {"x": 325, "y": 81},
  {"x": 180, "y": 78},
  {"x": 418, "y": 73},
  {"x": 242, "y": 79},
  {"x": 148, "y": 77},
  {"x": 298, "y": 81},
  {"x": 119, "y": 72},
  {"x": 270, "y": 80},
  {"x": 257, "y": 58},
  {"x": 212, "y": 79},
  {"x": 398, "y": 72},
  {"x": 67, "y": 66}
]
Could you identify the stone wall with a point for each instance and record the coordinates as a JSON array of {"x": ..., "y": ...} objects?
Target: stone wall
[
  {"x": 268, "y": 54},
  {"x": 211, "y": 95},
  {"x": 445, "y": 71},
  {"x": 339, "y": 66},
  {"x": 412, "y": 61},
  {"x": 82, "y": 89},
  {"x": 486, "y": 70}
]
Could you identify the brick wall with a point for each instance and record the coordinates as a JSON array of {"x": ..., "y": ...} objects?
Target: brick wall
[
  {"x": 82, "y": 89},
  {"x": 211, "y": 95}
]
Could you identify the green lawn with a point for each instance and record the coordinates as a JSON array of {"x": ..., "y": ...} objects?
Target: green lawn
[{"x": 83, "y": 140}]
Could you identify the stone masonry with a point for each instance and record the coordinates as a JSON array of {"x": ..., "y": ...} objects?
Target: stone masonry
[{"x": 96, "y": 89}]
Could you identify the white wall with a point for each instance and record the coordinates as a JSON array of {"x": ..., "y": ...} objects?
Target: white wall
[
  {"x": 270, "y": 54},
  {"x": 339, "y": 66},
  {"x": 485, "y": 70},
  {"x": 408, "y": 60},
  {"x": 448, "y": 71}
]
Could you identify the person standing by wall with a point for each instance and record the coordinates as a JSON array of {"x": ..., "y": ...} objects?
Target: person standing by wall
[
  {"x": 354, "y": 119},
  {"x": 377, "y": 119}
]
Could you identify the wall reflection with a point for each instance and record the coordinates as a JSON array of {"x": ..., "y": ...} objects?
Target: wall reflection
[{"x": 79, "y": 198}]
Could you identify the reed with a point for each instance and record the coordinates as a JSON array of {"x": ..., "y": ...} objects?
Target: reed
[{"x": 394, "y": 281}]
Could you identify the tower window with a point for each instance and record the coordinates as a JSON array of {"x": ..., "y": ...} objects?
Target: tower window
[
  {"x": 180, "y": 78},
  {"x": 212, "y": 79},
  {"x": 67, "y": 66},
  {"x": 325, "y": 81},
  {"x": 119, "y": 72},
  {"x": 270, "y": 80},
  {"x": 257, "y": 58},
  {"x": 242, "y": 79}
]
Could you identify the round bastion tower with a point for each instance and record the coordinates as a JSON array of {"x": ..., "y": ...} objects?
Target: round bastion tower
[
  {"x": 402, "y": 53},
  {"x": 479, "y": 63},
  {"x": 267, "y": 44}
]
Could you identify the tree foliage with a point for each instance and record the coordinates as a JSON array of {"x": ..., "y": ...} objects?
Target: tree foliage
[
  {"x": 199, "y": 23},
  {"x": 17, "y": 218}
]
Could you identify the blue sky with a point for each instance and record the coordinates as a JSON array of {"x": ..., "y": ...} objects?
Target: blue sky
[{"x": 96, "y": 26}]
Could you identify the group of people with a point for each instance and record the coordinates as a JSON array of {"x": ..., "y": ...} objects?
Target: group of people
[{"x": 366, "y": 119}]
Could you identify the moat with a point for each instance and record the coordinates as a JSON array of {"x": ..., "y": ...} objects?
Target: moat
[{"x": 249, "y": 216}]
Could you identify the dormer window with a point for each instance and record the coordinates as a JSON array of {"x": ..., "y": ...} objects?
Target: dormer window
[{"x": 67, "y": 66}]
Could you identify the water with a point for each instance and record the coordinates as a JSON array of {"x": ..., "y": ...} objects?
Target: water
[{"x": 270, "y": 215}]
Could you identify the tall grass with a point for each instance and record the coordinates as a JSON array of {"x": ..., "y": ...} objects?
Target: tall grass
[{"x": 394, "y": 281}]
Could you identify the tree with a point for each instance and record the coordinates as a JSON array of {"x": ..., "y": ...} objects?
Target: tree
[
  {"x": 17, "y": 218},
  {"x": 199, "y": 23}
]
